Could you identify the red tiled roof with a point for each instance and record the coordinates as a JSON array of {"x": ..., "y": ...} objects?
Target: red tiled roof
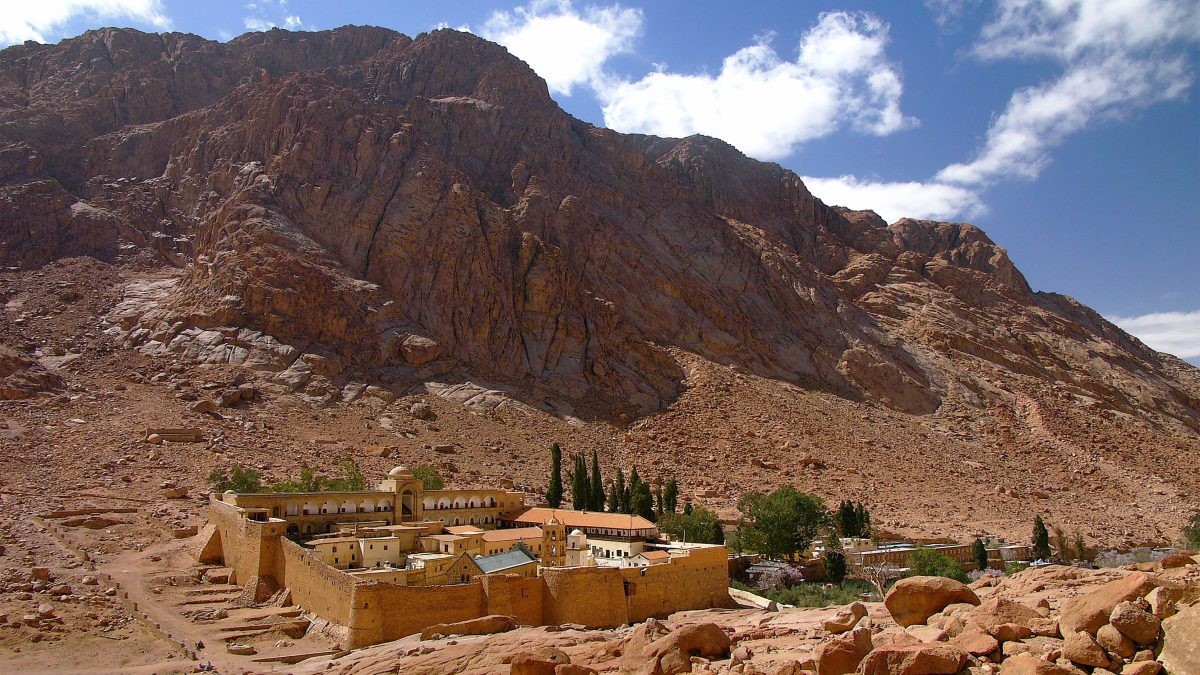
[
  {"x": 571, "y": 518},
  {"x": 512, "y": 534}
]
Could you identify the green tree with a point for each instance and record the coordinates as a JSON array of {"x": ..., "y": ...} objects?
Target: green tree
[
  {"x": 627, "y": 494},
  {"x": 429, "y": 477},
  {"x": 597, "y": 485},
  {"x": 239, "y": 479},
  {"x": 979, "y": 554},
  {"x": 687, "y": 509},
  {"x": 554, "y": 492},
  {"x": 782, "y": 523},
  {"x": 616, "y": 494},
  {"x": 581, "y": 486},
  {"x": 863, "y": 518},
  {"x": 352, "y": 479},
  {"x": 1041, "y": 539},
  {"x": 700, "y": 526},
  {"x": 1061, "y": 544},
  {"x": 928, "y": 562},
  {"x": 1082, "y": 551},
  {"x": 671, "y": 495},
  {"x": 835, "y": 559},
  {"x": 658, "y": 499},
  {"x": 1191, "y": 532},
  {"x": 641, "y": 503}
]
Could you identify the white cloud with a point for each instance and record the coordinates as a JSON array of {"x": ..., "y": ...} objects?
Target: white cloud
[
  {"x": 1176, "y": 333},
  {"x": 1117, "y": 59},
  {"x": 270, "y": 14},
  {"x": 766, "y": 105},
  {"x": 565, "y": 46},
  {"x": 41, "y": 20},
  {"x": 948, "y": 13},
  {"x": 893, "y": 201}
]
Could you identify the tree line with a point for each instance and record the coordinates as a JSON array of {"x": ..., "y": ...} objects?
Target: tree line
[{"x": 658, "y": 503}]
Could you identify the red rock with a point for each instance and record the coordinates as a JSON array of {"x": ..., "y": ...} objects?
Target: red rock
[
  {"x": 1028, "y": 664},
  {"x": 1089, "y": 612},
  {"x": 1136, "y": 623},
  {"x": 914, "y": 599},
  {"x": 923, "y": 659},
  {"x": 975, "y": 641},
  {"x": 843, "y": 653},
  {"x": 1080, "y": 648}
]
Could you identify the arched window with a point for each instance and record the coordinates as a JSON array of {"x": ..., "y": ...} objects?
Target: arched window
[
  {"x": 472, "y": 503},
  {"x": 366, "y": 506},
  {"x": 429, "y": 503},
  {"x": 491, "y": 501},
  {"x": 329, "y": 507},
  {"x": 293, "y": 508}
]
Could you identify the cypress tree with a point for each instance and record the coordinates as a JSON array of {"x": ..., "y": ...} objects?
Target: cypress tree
[
  {"x": 554, "y": 493},
  {"x": 597, "y": 487},
  {"x": 658, "y": 498},
  {"x": 617, "y": 496},
  {"x": 1041, "y": 539},
  {"x": 979, "y": 554},
  {"x": 862, "y": 520},
  {"x": 641, "y": 503},
  {"x": 581, "y": 487},
  {"x": 671, "y": 495},
  {"x": 687, "y": 509},
  {"x": 835, "y": 559},
  {"x": 627, "y": 495}
]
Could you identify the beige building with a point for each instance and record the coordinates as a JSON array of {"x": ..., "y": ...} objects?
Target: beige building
[{"x": 378, "y": 575}]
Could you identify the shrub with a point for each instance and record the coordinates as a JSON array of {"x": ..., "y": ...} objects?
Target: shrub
[
  {"x": 810, "y": 594},
  {"x": 238, "y": 479},
  {"x": 429, "y": 477},
  {"x": 928, "y": 562},
  {"x": 1191, "y": 533}
]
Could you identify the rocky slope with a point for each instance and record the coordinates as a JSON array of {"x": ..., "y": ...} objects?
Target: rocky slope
[{"x": 352, "y": 216}]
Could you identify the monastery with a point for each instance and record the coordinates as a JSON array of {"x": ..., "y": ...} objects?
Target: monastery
[{"x": 379, "y": 565}]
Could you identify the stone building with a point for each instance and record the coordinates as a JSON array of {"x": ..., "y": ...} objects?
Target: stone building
[{"x": 379, "y": 565}]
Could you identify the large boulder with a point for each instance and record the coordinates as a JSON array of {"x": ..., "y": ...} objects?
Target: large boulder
[
  {"x": 1091, "y": 611},
  {"x": 1028, "y": 664},
  {"x": 997, "y": 611},
  {"x": 843, "y": 653},
  {"x": 1180, "y": 646},
  {"x": 484, "y": 625},
  {"x": 541, "y": 660},
  {"x": 1115, "y": 641},
  {"x": 1138, "y": 624},
  {"x": 652, "y": 650},
  {"x": 922, "y": 659},
  {"x": 915, "y": 599},
  {"x": 1080, "y": 648},
  {"x": 846, "y": 618}
]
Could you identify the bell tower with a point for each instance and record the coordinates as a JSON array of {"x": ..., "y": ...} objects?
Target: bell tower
[{"x": 554, "y": 543}]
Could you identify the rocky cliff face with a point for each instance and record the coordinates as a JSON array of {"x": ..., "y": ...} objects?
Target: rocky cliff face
[{"x": 356, "y": 203}]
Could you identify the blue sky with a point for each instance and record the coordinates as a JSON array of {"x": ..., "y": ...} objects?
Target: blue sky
[{"x": 1068, "y": 129}]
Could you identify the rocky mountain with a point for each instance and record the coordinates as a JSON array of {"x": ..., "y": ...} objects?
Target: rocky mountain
[{"x": 355, "y": 207}]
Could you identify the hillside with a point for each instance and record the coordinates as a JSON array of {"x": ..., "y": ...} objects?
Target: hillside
[{"x": 355, "y": 220}]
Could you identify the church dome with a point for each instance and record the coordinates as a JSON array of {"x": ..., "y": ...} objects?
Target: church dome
[
  {"x": 577, "y": 532},
  {"x": 399, "y": 472}
]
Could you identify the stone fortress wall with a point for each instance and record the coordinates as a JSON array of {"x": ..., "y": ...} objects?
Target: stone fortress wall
[{"x": 252, "y": 542}]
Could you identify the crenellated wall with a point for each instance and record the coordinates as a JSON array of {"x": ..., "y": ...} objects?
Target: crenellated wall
[{"x": 371, "y": 611}]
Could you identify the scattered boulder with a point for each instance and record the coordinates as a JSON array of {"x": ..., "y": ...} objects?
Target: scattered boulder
[
  {"x": 421, "y": 411},
  {"x": 998, "y": 611},
  {"x": 540, "y": 660},
  {"x": 1028, "y": 664},
  {"x": 1135, "y": 622},
  {"x": 1079, "y": 647},
  {"x": 444, "y": 449},
  {"x": 843, "y": 653},
  {"x": 922, "y": 659},
  {"x": 1115, "y": 641},
  {"x": 241, "y": 649},
  {"x": 484, "y": 625},
  {"x": 1177, "y": 559},
  {"x": 1141, "y": 668},
  {"x": 846, "y": 619},
  {"x": 1180, "y": 648},
  {"x": 1090, "y": 612},
  {"x": 40, "y": 573},
  {"x": 654, "y": 651},
  {"x": 975, "y": 641},
  {"x": 204, "y": 406},
  {"x": 914, "y": 599}
]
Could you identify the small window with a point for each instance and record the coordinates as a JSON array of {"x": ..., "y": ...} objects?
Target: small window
[
  {"x": 335, "y": 549},
  {"x": 336, "y": 561}
]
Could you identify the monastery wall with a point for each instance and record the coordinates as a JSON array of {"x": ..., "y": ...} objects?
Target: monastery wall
[
  {"x": 591, "y": 596},
  {"x": 247, "y": 546},
  {"x": 384, "y": 611},
  {"x": 315, "y": 586},
  {"x": 514, "y": 595},
  {"x": 699, "y": 580}
]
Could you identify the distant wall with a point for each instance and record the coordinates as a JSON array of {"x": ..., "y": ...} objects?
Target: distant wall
[
  {"x": 516, "y": 596},
  {"x": 384, "y": 611},
  {"x": 591, "y": 596},
  {"x": 315, "y": 586},
  {"x": 698, "y": 580}
]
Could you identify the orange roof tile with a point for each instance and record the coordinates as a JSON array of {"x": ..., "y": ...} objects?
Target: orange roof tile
[
  {"x": 512, "y": 534},
  {"x": 593, "y": 519}
]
